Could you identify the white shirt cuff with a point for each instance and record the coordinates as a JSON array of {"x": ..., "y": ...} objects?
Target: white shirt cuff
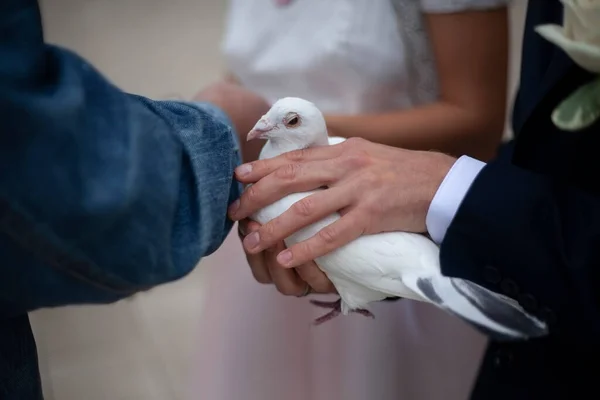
[{"x": 450, "y": 195}]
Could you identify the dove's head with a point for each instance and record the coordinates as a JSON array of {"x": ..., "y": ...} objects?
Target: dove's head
[{"x": 293, "y": 122}]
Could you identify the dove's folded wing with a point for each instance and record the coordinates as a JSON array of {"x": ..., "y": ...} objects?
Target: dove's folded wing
[
  {"x": 378, "y": 262},
  {"x": 495, "y": 315},
  {"x": 407, "y": 265}
]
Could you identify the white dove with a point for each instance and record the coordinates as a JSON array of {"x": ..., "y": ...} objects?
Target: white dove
[{"x": 374, "y": 267}]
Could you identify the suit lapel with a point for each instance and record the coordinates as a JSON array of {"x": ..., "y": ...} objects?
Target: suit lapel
[
  {"x": 560, "y": 65},
  {"x": 544, "y": 148},
  {"x": 543, "y": 63},
  {"x": 548, "y": 77},
  {"x": 558, "y": 68}
]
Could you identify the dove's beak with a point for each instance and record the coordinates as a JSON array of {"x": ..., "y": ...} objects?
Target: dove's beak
[{"x": 261, "y": 130}]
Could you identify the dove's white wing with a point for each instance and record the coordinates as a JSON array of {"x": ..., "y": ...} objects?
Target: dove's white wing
[
  {"x": 407, "y": 265},
  {"x": 495, "y": 315},
  {"x": 379, "y": 261}
]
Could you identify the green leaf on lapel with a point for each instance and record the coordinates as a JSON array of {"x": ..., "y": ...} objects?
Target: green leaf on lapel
[{"x": 580, "y": 110}]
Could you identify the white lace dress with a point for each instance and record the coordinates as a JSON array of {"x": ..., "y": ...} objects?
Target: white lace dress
[{"x": 347, "y": 56}]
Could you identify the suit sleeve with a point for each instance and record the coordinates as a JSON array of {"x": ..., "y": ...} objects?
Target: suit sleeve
[{"x": 533, "y": 238}]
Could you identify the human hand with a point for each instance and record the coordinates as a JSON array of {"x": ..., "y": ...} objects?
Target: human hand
[
  {"x": 376, "y": 188},
  {"x": 300, "y": 281},
  {"x": 242, "y": 106}
]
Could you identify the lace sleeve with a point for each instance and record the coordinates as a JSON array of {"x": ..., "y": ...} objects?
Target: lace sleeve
[{"x": 448, "y": 6}]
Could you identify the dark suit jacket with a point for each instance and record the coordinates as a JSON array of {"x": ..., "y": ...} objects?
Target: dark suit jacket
[{"x": 530, "y": 228}]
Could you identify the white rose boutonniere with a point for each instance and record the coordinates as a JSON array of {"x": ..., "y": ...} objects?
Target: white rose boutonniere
[{"x": 579, "y": 37}]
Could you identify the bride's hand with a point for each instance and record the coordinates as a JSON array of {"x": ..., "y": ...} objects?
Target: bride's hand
[
  {"x": 300, "y": 281},
  {"x": 376, "y": 188}
]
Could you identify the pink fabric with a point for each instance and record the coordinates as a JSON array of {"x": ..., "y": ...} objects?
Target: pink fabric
[{"x": 259, "y": 345}]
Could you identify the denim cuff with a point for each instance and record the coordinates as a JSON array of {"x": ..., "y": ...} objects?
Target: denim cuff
[{"x": 236, "y": 188}]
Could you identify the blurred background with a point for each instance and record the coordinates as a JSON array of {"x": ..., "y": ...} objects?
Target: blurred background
[{"x": 144, "y": 348}]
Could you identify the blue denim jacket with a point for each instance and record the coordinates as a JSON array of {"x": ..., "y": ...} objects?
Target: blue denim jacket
[{"x": 102, "y": 193}]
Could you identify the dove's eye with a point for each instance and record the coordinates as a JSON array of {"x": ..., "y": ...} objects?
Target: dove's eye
[{"x": 292, "y": 120}]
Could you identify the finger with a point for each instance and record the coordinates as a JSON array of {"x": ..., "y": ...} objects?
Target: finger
[
  {"x": 291, "y": 178},
  {"x": 247, "y": 226},
  {"x": 286, "y": 280},
  {"x": 259, "y": 268},
  {"x": 312, "y": 274},
  {"x": 326, "y": 240},
  {"x": 243, "y": 228},
  {"x": 254, "y": 171},
  {"x": 251, "y": 226},
  {"x": 257, "y": 263},
  {"x": 301, "y": 214}
]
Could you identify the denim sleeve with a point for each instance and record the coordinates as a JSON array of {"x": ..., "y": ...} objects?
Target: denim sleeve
[{"x": 102, "y": 193}]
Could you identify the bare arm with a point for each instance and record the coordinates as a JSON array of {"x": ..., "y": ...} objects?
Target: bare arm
[
  {"x": 471, "y": 51},
  {"x": 231, "y": 78}
]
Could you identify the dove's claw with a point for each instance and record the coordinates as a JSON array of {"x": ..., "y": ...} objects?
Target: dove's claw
[
  {"x": 327, "y": 317},
  {"x": 366, "y": 313},
  {"x": 336, "y": 309},
  {"x": 327, "y": 304}
]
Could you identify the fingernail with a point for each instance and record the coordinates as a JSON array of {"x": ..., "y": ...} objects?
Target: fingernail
[
  {"x": 233, "y": 207},
  {"x": 243, "y": 170},
  {"x": 252, "y": 240},
  {"x": 284, "y": 258}
]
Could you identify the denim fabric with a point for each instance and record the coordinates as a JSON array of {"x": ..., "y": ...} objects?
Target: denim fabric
[{"x": 102, "y": 193}]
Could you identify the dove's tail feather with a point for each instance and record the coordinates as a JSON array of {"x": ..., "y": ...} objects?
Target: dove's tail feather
[{"x": 497, "y": 316}]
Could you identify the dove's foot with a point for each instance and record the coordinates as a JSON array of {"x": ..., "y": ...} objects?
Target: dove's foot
[
  {"x": 336, "y": 309},
  {"x": 335, "y": 306}
]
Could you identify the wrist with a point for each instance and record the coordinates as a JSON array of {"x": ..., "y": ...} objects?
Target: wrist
[
  {"x": 450, "y": 194},
  {"x": 440, "y": 164},
  {"x": 443, "y": 166}
]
